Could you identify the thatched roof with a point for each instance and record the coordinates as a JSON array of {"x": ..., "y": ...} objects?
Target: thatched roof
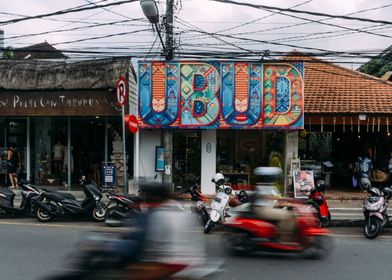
[
  {"x": 46, "y": 75},
  {"x": 42, "y": 50}
]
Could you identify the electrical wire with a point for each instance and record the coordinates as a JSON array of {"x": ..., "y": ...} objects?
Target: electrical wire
[
  {"x": 256, "y": 6},
  {"x": 67, "y": 11}
]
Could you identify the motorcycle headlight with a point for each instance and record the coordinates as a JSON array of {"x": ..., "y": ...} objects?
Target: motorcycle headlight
[{"x": 200, "y": 205}]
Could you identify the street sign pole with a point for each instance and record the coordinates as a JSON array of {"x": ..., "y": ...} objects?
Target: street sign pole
[
  {"x": 121, "y": 93},
  {"x": 124, "y": 150}
]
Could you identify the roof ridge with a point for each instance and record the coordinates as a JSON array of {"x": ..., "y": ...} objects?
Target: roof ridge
[{"x": 355, "y": 72}]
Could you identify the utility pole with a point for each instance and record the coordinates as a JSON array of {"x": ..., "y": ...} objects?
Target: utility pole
[{"x": 167, "y": 135}]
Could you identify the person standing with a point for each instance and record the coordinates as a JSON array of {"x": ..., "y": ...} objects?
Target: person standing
[{"x": 12, "y": 165}]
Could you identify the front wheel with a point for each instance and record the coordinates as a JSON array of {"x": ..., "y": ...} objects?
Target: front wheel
[
  {"x": 43, "y": 215},
  {"x": 372, "y": 227},
  {"x": 208, "y": 226},
  {"x": 320, "y": 247},
  {"x": 99, "y": 213},
  {"x": 325, "y": 221}
]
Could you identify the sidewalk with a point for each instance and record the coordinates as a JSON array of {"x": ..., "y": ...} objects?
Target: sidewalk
[{"x": 345, "y": 206}]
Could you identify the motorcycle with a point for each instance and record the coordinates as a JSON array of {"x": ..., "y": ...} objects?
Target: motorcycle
[
  {"x": 317, "y": 199},
  {"x": 249, "y": 231},
  {"x": 52, "y": 204},
  {"x": 199, "y": 208},
  {"x": 375, "y": 211},
  {"x": 222, "y": 200},
  {"x": 27, "y": 206},
  {"x": 121, "y": 208}
]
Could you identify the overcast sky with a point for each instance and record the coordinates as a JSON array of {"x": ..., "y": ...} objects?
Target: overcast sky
[{"x": 129, "y": 33}]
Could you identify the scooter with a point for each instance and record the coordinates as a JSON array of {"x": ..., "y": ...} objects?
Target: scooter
[
  {"x": 219, "y": 204},
  {"x": 248, "y": 232},
  {"x": 52, "y": 204},
  {"x": 27, "y": 206},
  {"x": 375, "y": 211},
  {"x": 199, "y": 208},
  {"x": 317, "y": 199},
  {"x": 121, "y": 208}
]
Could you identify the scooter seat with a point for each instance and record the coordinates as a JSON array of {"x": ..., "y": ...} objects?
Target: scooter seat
[
  {"x": 7, "y": 192},
  {"x": 133, "y": 198},
  {"x": 60, "y": 196}
]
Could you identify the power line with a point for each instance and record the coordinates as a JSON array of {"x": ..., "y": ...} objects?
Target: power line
[
  {"x": 67, "y": 11},
  {"x": 302, "y": 12}
]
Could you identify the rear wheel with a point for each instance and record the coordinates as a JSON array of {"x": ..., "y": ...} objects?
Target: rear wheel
[
  {"x": 99, "y": 212},
  {"x": 372, "y": 227},
  {"x": 43, "y": 215}
]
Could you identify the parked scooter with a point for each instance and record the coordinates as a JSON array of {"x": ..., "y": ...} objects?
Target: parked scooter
[
  {"x": 121, "y": 208},
  {"x": 52, "y": 204},
  {"x": 27, "y": 206},
  {"x": 219, "y": 204},
  {"x": 199, "y": 208},
  {"x": 375, "y": 211},
  {"x": 250, "y": 232},
  {"x": 317, "y": 199}
]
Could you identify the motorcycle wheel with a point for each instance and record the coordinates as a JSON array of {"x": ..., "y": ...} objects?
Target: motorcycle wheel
[
  {"x": 320, "y": 247},
  {"x": 237, "y": 243},
  {"x": 99, "y": 213},
  {"x": 110, "y": 220},
  {"x": 43, "y": 215},
  {"x": 372, "y": 228},
  {"x": 326, "y": 222},
  {"x": 209, "y": 225}
]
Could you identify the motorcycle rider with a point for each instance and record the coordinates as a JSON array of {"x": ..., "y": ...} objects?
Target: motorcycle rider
[
  {"x": 169, "y": 241},
  {"x": 270, "y": 206}
]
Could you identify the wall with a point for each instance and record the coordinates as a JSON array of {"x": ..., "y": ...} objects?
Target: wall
[
  {"x": 148, "y": 140},
  {"x": 208, "y": 160},
  {"x": 290, "y": 152}
]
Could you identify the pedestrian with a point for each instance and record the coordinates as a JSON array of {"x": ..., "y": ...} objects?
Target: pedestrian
[
  {"x": 12, "y": 165},
  {"x": 390, "y": 169}
]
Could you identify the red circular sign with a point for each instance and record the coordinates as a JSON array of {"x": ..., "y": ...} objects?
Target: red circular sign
[
  {"x": 132, "y": 124},
  {"x": 121, "y": 91}
]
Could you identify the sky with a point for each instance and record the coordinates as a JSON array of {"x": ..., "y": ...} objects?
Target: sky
[{"x": 205, "y": 29}]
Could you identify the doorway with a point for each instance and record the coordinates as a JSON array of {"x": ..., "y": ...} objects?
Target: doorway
[{"x": 186, "y": 157}]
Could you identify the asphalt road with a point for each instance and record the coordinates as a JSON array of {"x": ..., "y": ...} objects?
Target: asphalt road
[{"x": 31, "y": 250}]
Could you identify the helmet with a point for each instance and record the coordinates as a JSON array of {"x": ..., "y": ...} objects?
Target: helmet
[
  {"x": 268, "y": 174},
  {"x": 218, "y": 179},
  {"x": 365, "y": 183}
]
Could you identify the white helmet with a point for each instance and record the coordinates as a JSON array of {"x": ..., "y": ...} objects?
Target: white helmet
[{"x": 218, "y": 179}]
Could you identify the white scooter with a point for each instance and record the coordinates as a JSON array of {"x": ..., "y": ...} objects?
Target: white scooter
[{"x": 219, "y": 204}]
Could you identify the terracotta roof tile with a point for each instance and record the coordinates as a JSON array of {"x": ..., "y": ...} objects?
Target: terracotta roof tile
[{"x": 331, "y": 88}]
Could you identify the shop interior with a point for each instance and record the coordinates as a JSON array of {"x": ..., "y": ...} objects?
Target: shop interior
[{"x": 342, "y": 149}]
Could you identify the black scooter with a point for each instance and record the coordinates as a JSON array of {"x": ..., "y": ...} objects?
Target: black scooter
[
  {"x": 52, "y": 204},
  {"x": 27, "y": 206},
  {"x": 122, "y": 208}
]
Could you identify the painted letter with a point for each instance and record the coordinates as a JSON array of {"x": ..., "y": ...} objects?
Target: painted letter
[
  {"x": 199, "y": 88},
  {"x": 158, "y": 93}
]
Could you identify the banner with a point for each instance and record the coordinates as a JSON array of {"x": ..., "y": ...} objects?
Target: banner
[{"x": 226, "y": 95}]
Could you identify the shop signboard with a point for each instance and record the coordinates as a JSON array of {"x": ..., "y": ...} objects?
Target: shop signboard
[
  {"x": 221, "y": 94},
  {"x": 303, "y": 183},
  {"x": 108, "y": 174}
]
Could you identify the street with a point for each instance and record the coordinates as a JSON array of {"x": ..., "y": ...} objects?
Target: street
[{"x": 31, "y": 250}]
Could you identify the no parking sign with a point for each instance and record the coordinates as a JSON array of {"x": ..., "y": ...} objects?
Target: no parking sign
[{"x": 121, "y": 91}]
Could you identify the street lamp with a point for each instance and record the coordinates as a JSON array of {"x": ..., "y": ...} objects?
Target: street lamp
[{"x": 150, "y": 10}]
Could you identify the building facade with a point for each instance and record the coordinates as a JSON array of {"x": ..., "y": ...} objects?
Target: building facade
[{"x": 63, "y": 117}]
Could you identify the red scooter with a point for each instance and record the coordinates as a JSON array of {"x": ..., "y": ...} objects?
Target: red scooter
[
  {"x": 248, "y": 233},
  {"x": 317, "y": 199}
]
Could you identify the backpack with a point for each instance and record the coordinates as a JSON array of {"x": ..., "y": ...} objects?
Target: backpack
[{"x": 363, "y": 166}]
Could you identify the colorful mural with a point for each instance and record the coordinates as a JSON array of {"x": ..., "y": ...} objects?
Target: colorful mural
[{"x": 216, "y": 94}]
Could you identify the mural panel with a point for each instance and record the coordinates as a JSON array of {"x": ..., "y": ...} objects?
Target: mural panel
[{"x": 227, "y": 95}]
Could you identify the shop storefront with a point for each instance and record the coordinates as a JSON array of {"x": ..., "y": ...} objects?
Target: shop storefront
[
  {"x": 60, "y": 133},
  {"x": 220, "y": 116}
]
